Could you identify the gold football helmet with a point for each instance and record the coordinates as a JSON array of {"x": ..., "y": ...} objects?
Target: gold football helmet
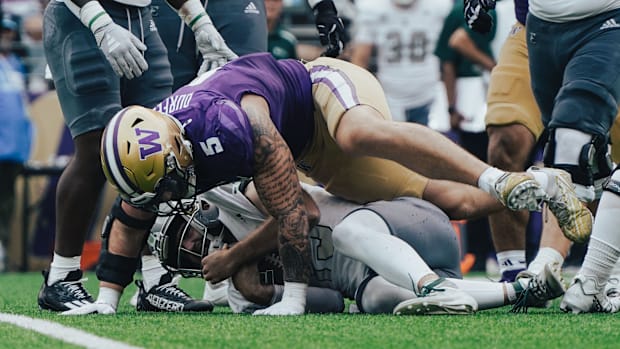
[{"x": 146, "y": 157}]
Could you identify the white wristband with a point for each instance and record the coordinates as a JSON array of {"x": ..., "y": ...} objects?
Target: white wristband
[
  {"x": 109, "y": 296},
  {"x": 193, "y": 14},
  {"x": 93, "y": 16}
]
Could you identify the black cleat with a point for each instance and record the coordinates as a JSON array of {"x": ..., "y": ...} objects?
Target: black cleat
[
  {"x": 65, "y": 294},
  {"x": 167, "y": 296}
]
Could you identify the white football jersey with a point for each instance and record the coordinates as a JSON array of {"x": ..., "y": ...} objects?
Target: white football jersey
[
  {"x": 405, "y": 39},
  {"x": 332, "y": 269},
  {"x": 570, "y": 10}
]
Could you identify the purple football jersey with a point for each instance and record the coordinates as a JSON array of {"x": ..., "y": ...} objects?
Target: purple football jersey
[{"x": 219, "y": 130}]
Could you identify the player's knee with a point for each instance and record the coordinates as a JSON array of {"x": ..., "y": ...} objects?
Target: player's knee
[
  {"x": 509, "y": 147},
  {"x": 586, "y": 157},
  {"x": 116, "y": 269}
]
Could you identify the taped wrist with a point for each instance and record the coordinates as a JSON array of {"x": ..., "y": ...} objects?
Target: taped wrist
[
  {"x": 194, "y": 15},
  {"x": 116, "y": 269},
  {"x": 94, "y": 16}
]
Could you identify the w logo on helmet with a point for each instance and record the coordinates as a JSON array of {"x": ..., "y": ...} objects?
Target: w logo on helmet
[{"x": 148, "y": 142}]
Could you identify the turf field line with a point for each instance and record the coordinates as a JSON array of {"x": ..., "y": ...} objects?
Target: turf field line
[{"x": 64, "y": 333}]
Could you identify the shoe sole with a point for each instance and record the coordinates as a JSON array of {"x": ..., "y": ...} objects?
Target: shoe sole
[
  {"x": 417, "y": 306},
  {"x": 527, "y": 195}
]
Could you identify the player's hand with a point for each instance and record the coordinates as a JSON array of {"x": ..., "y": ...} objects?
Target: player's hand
[
  {"x": 215, "y": 52},
  {"x": 285, "y": 307},
  {"x": 122, "y": 49},
  {"x": 477, "y": 16},
  {"x": 219, "y": 265},
  {"x": 330, "y": 27},
  {"x": 92, "y": 308}
]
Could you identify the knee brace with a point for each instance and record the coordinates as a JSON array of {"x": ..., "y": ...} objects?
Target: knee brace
[
  {"x": 114, "y": 268},
  {"x": 594, "y": 160},
  {"x": 117, "y": 212}
]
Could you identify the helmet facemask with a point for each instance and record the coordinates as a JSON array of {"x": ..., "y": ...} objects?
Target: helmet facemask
[{"x": 180, "y": 241}]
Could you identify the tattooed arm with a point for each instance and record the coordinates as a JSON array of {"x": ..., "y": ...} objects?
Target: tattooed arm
[{"x": 275, "y": 178}]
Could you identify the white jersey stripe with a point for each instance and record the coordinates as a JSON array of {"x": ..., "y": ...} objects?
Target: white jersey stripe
[{"x": 340, "y": 85}]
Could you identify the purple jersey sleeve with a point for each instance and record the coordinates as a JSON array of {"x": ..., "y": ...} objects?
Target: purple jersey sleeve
[{"x": 219, "y": 129}]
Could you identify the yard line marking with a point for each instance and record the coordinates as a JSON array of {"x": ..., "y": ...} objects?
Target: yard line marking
[{"x": 64, "y": 333}]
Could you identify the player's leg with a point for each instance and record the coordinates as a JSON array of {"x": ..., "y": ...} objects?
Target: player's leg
[
  {"x": 356, "y": 116},
  {"x": 513, "y": 125},
  {"x": 88, "y": 90},
  {"x": 586, "y": 293},
  {"x": 365, "y": 235},
  {"x": 578, "y": 98},
  {"x": 243, "y": 27}
]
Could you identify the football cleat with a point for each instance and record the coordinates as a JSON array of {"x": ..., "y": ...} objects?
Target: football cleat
[
  {"x": 585, "y": 295},
  {"x": 438, "y": 297},
  {"x": 612, "y": 289},
  {"x": 65, "y": 294},
  {"x": 168, "y": 297},
  {"x": 540, "y": 290},
  {"x": 519, "y": 191},
  {"x": 574, "y": 218}
]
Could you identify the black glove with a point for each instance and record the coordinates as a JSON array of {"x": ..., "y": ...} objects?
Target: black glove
[
  {"x": 476, "y": 15},
  {"x": 330, "y": 27}
]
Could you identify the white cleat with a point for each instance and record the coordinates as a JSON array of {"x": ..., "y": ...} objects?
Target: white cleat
[
  {"x": 438, "y": 297},
  {"x": 586, "y": 296}
]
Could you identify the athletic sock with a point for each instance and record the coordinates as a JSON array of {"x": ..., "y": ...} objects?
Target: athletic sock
[
  {"x": 488, "y": 178},
  {"x": 545, "y": 255},
  {"x": 604, "y": 246},
  {"x": 61, "y": 266},
  {"x": 511, "y": 263},
  {"x": 152, "y": 271}
]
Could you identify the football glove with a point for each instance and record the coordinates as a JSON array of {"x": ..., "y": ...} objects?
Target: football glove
[
  {"x": 120, "y": 47},
  {"x": 477, "y": 16},
  {"x": 330, "y": 27},
  {"x": 215, "y": 52}
]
